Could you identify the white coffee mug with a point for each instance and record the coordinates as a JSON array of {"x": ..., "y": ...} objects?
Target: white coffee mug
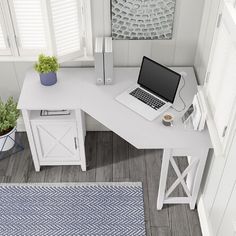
[{"x": 167, "y": 119}]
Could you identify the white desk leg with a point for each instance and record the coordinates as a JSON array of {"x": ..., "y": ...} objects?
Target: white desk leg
[
  {"x": 191, "y": 175},
  {"x": 81, "y": 136},
  {"x": 163, "y": 178},
  {"x": 193, "y": 171},
  {"x": 202, "y": 157},
  {"x": 25, "y": 114}
]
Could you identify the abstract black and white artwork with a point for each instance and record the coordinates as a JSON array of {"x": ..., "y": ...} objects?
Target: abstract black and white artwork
[{"x": 142, "y": 19}]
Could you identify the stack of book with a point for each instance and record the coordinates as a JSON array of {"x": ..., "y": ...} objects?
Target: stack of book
[
  {"x": 98, "y": 57},
  {"x": 196, "y": 113},
  {"x": 54, "y": 112},
  {"x": 199, "y": 113},
  {"x": 103, "y": 56}
]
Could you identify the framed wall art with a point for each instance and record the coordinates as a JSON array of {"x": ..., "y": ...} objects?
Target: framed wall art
[{"x": 142, "y": 19}]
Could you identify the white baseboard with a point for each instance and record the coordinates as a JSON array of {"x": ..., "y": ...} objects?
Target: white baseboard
[
  {"x": 204, "y": 218},
  {"x": 91, "y": 125}
]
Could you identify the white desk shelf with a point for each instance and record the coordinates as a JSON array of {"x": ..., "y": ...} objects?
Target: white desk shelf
[{"x": 77, "y": 91}]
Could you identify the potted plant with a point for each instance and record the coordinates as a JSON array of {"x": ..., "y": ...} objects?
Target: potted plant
[
  {"x": 47, "y": 67},
  {"x": 8, "y": 118}
]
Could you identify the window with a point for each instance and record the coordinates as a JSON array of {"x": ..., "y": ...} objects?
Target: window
[
  {"x": 4, "y": 40},
  {"x": 221, "y": 84},
  {"x": 29, "y": 26},
  {"x": 56, "y": 27},
  {"x": 66, "y": 23}
]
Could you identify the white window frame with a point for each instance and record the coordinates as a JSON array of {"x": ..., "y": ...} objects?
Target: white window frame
[{"x": 86, "y": 52}]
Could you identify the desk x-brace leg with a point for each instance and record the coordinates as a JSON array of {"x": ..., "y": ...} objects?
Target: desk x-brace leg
[{"x": 194, "y": 172}]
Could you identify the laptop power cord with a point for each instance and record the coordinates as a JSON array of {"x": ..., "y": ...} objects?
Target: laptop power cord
[{"x": 182, "y": 76}]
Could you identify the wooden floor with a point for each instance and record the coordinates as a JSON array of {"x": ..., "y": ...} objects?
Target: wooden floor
[{"x": 110, "y": 158}]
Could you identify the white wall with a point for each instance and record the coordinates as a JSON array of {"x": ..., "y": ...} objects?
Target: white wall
[
  {"x": 209, "y": 18},
  {"x": 180, "y": 51},
  {"x": 217, "y": 209},
  {"x": 216, "y": 205},
  {"x": 214, "y": 165}
]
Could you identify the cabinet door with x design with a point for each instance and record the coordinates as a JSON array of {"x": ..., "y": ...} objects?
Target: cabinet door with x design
[{"x": 56, "y": 141}]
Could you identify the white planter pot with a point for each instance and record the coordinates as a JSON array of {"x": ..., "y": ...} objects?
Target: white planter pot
[{"x": 7, "y": 141}]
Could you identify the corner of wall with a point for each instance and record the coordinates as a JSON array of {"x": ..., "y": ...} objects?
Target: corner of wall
[
  {"x": 20, "y": 127},
  {"x": 204, "y": 218}
]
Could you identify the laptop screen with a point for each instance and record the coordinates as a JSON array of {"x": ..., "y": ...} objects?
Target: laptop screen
[{"x": 158, "y": 79}]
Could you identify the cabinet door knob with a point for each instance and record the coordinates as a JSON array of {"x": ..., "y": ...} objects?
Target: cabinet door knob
[{"x": 75, "y": 140}]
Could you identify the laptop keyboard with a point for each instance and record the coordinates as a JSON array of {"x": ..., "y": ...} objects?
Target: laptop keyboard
[{"x": 147, "y": 98}]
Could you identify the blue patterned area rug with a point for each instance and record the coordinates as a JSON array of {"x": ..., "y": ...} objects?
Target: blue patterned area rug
[{"x": 72, "y": 209}]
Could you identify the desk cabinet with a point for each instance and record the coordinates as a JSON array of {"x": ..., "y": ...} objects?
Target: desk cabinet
[{"x": 56, "y": 140}]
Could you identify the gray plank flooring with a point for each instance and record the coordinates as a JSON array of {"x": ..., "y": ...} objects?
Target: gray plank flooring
[{"x": 110, "y": 158}]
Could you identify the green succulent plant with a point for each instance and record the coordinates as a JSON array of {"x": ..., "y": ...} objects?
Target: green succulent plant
[
  {"x": 46, "y": 64},
  {"x": 8, "y": 115}
]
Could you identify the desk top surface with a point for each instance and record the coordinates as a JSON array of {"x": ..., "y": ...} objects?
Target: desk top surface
[{"x": 76, "y": 88}]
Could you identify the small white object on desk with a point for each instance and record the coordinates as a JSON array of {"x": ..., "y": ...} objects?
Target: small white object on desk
[
  {"x": 167, "y": 119},
  {"x": 197, "y": 115},
  {"x": 108, "y": 61},
  {"x": 99, "y": 61},
  {"x": 203, "y": 110}
]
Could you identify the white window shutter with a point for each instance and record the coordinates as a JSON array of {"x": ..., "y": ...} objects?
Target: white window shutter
[
  {"x": 66, "y": 25},
  {"x": 29, "y": 25},
  {"x": 222, "y": 93},
  {"x": 221, "y": 86},
  {"x": 4, "y": 40}
]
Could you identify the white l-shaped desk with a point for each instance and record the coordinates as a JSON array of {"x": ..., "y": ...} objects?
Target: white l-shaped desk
[{"x": 76, "y": 90}]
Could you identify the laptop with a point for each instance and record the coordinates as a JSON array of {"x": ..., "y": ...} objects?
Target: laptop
[{"x": 154, "y": 92}]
